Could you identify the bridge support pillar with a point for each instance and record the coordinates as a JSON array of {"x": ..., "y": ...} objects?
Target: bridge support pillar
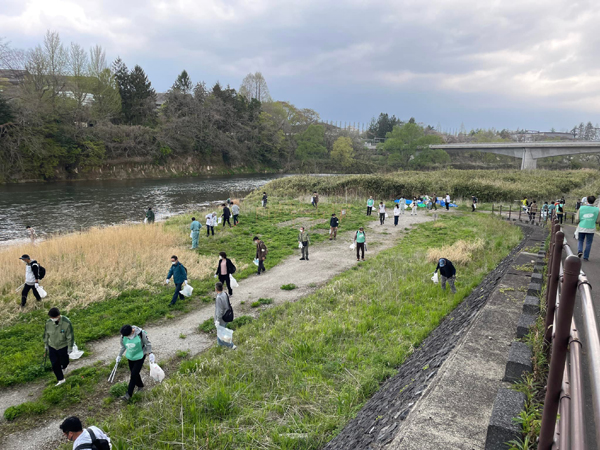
[{"x": 528, "y": 162}]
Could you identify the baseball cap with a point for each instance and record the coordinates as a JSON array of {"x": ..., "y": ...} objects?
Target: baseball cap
[
  {"x": 25, "y": 257},
  {"x": 442, "y": 262}
]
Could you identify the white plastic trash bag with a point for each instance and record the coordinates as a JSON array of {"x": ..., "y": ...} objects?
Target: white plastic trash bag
[
  {"x": 156, "y": 373},
  {"x": 233, "y": 282},
  {"x": 225, "y": 334},
  {"x": 219, "y": 220},
  {"x": 299, "y": 244},
  {"x": 352, "y": 246},
  {"x": 75, "y": 353},
  {"x": 255, "y": 261},
  {"x": 41, "y": 291},
  {"x": 146, "y": 220},
  {"x": 434, "y": 278},
  {"x": 187, "y": 290},
  {"x": 191, "y": 234},
  {"x": 386, "y": 215}
]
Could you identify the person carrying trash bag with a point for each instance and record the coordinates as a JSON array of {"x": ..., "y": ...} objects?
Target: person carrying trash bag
[
  {"x": 90, "y": 438},
  {"x": 135, "y": 345},
  {"x": 58, "y": 339},
  {"x": 224, "y": 270},
  {"x": 370, "y": 204},
  {"x": 261, "y": 254},
  {"x": 226, "y": 215},
  {"x": 235, "y": 211},
  {"x": 304, "y": 241},
  {"x": 33, "y": 274},
  {"x": 360, "y": 240},
  {"x": 195, "y": 227},
  {"x": 334, "y": 223},
  {"x": 222, "y": 311},
  {"x": 211, "y": 223},
  {"x": 448, "y": 273},
  {"x": 397, "y": 212},
  {"x": 179, "y": 274}
]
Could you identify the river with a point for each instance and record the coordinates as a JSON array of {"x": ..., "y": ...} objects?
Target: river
[{"x": 69, "y": 206}]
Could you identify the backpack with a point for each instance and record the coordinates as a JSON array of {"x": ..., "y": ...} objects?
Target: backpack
[
  {"x": 97, "y": 444},
  {"x": 560, "y": 208},
  {"x": 228, "y": 316},
  {"x": 41, "y": 270}
]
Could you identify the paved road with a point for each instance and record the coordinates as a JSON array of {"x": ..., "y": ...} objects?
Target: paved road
[{"x": 592, "y": 270}]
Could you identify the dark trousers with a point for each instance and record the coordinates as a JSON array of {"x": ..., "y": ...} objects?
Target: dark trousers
[
  {"x": 433, "y": 205},
  {"x": 59, "y": 360},
  {"x": 176, "y": 294},
  {"x": 532, "y": 217},
  {"x": 225, "y": 279},
  {"x": 25, "y": 293},
  {"x": 369, "y": 209},
  {"x": 135, "y": 367},
  {"x": 381, "y": 218},
  {"x": 235, "y": 219},
  {"x": 305, "y": 251},
  {"x": 261, "y": 266},
  {"x": 473, "y": 207},
  {"x": 226, "y": 219},
  {"x": 360, "y": 247},
  {"x": 447, "y": 206},
  {"x": 560, "y": 218},
  {"x": 396, "y": 220},
  {"x": 210, "y": 228}
]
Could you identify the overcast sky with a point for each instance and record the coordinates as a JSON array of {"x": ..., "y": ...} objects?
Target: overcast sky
[{"x": 504, "y": 64}]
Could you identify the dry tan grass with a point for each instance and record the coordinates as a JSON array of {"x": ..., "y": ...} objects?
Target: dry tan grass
[
  {"x": 459, "y": 253},
  {"x": 84, "y": 268}
]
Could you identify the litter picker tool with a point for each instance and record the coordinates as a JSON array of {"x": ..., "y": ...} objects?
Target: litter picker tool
[
  {"x": 43, "y": 366},
  {"x": 111, "y": 377},
  {"x": 20, "y": 287}
]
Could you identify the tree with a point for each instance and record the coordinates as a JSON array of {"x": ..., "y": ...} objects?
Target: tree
[
  {"x": 343, "y": 152},
  {"x": 183, "y": 83},
  {"x": 383, "y": 125},
  {"x": 255, "y": 86},
  {"x": 106, "y": 104},
  {"x": 404, "y": 141},
  {"x": 6, "y": 114},
  {"x": 310, "y": 144},
  {"x": 138, "y": 98},
  {"x": 79, "y": 81},
  {"x": 589, "y": 132}
]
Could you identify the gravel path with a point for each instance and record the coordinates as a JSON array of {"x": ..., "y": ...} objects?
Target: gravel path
[{"x": 327, "y": 260}]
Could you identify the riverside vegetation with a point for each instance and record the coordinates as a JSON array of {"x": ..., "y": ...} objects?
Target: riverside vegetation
[{"x": 304, "y": 369}]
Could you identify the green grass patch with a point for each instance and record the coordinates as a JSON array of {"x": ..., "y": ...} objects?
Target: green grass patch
[
  {"x": 303, "y": 369},
  {"x": 261, "y": 302},
  {"x": 21, "y": 342},
  {"x": 288, "y": 287}
]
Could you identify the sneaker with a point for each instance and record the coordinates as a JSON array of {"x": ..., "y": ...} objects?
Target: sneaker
[
  {"x": 63, "y": 381},
  {"x": 585, "y": 259},
  {"x": 234, "y": 347},
  {"x": 139, "y": 389},
  {"x": 358, "y": 259},
  {"x": 579, "y": 255},
  {"x": 363, "y": 259},
  {"x": 302, "y": 259},
  {"x": 307, "y": 259},
  {"x": 125, "y": 398}
]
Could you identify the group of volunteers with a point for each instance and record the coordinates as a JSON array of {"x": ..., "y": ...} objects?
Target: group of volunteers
[
  {"x": 401, "y": 204},
  {"x": 229, "y": 209}
]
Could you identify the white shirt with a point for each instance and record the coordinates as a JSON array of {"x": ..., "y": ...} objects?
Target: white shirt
[
  {"x": 396, "y": 211},
  {"x": 29, "y": 276},
  {"x": 84, "y": 438},
  {"x": 448, "y": 198},
  {"x": 210, "y": 220},
  {"x": 381, "y": 209}
]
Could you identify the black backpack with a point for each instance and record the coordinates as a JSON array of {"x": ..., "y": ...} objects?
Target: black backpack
[
  {"x": 97, "y": 444},
  {"x": 41, "y": 270},
  {"x": 228, "y": 316}
]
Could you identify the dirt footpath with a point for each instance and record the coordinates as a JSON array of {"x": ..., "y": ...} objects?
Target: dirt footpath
[{"x": 326, "y": 260}]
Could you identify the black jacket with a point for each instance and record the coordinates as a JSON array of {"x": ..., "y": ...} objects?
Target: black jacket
[
  {"x": 230, "y": 267},
  {"x": 226, "y": 213},
  {"x": 334, "y": 222},
  {"x": 448, "y": 270}
]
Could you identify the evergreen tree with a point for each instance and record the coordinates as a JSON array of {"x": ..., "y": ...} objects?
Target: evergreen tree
[
  {"x": 125, "y": 91},
  {"x": 6, "y": 114},
  {"x": 590, "y": 132},
  {"x": 183, "y": 83}
]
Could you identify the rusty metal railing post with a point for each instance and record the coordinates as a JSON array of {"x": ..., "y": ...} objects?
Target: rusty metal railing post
[
  {"x": 509, "y": 211},
  {"x": 500, "y": 211},
  {"x": 553, "y": 277},
  {"x": 559, "y": 350},
  {"x": 520, "y": 211}
]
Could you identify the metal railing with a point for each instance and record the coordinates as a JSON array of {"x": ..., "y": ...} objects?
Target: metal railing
[
  {"x": 564, "y": 391},
  {"x": 541, "y": 218}
]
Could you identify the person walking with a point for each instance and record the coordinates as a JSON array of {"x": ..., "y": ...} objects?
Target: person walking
[
  {"x": 473, "y": 203},
  {"x": 560, "y": 210},
  {"x": 533, "y": 209},
  {"x": 264, "y": 200},
  {"x": 222, "y": 305},
  {"x": 31, "y": 233},
  {"x": 370, "y": 204},
  {"x": 524, "y": 203},
  {"x": 211, "y": 222},
  {"x": 235, "y": 210},
  {"x": 447, "y": 201},
  {"x": 226, "y": 215},
  {"x": 304, "y": 240},
  {"x": 195, "y": 227},
  {"x": 545, "y": 210},
  {"x": 402, "y": 204},
  {"x": 136, "y": 346},
  {"x": 33, "y": 274},
  {"x": 315, "y": 200},
  {"x": 448, "y": 273},
  {"x": 92, "y": 437},
  {"x": 334, "y": 222},
  {"x": 224, "y": 269},
  {"x": 179, "y": 274},
  {"x": 261, "y": 254},
  {"x": 150, "y": 215},
  {"x": 381, "y": 213},
  {"x": 396, "y": 213},
  {"x": 58, "y": 339},
  {"x": 360, "y": 240},
  {"x": 434, "y": 202},
  {"x": 413, "y": 207},
  {"x": 586, "y": 219}
]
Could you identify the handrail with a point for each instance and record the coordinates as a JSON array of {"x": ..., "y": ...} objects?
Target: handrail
[{"x": 565, "y": 390}]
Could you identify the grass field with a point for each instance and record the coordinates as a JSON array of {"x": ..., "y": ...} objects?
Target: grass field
[
  {"x": 303, "y": 369},
  {"x": 104, "y": 278}
]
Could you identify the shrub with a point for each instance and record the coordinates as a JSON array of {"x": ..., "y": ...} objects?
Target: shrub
[
  {"x": 261, "y": 301},
  {"x": 288, "y": 287}
]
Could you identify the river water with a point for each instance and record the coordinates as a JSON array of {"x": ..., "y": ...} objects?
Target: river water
[{"x": 69, "y": 206}]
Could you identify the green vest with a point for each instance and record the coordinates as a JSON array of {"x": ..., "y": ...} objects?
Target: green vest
[
  {"x": 370, "y": 202},
  {"x": 588, "y": 216},
  {"x": 134, "y": 348},
  {"x": 360, "y": 237}
]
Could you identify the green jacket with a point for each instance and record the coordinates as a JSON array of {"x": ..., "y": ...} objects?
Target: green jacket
[
  {"x": 59, "y": 335},
  {"x": 303, "y": 237},
  {"x": 587, "y": 216}
]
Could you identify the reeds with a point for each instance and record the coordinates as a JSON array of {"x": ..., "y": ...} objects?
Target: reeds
[{"x": 461, "y": 252}]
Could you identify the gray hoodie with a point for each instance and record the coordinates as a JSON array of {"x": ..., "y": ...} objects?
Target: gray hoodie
[
  {"x": 146, "y": 346},
  {"x": 221, "y": 307}
]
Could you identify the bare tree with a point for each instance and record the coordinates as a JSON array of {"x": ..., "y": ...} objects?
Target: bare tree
[
  {"x": 255, "y": 86},
  {"x": 78, "y": 82},
  {"x": 97, "y": 61}
]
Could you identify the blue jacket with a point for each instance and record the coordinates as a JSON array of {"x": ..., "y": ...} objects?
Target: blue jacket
[{"x": 178, "y": 272}]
